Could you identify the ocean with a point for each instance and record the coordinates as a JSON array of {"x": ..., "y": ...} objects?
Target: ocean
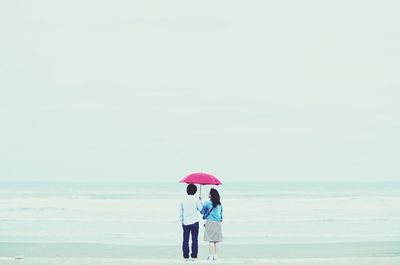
[{"x": 146, "y": 214}]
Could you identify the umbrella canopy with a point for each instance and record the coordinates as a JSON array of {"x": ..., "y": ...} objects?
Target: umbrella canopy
[{"x": 201, "y": 178}]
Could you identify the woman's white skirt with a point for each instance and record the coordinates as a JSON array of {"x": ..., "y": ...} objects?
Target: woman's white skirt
[{"x": 213, "y": 231}]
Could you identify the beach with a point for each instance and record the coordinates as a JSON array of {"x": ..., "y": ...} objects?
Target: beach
[
  {"x": 290, "y": 109},
  {"x": 82, "y": 254},
  {"x": 137, "y": 223}
]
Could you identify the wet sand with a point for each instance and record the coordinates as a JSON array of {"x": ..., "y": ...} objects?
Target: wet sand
[{"x": 85, "y": 254}]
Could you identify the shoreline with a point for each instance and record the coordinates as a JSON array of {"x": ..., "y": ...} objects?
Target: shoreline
[
  {"x": 131, "y": 261},
  {"x": 259, "y": 251}
]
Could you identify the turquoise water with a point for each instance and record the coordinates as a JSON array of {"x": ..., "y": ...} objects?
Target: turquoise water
[{"x": 146, "y": 213}]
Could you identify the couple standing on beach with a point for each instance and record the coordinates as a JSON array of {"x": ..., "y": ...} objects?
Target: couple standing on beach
[{"x": 190, "y": 209}]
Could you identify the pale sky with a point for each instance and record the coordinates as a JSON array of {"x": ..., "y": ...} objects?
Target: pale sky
[{"x": 255, "y": 90}]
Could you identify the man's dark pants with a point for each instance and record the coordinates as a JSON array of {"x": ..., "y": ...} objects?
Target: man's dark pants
[{"x": 192, "y": 229}]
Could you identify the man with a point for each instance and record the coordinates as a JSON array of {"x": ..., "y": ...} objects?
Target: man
[{"x": 189, "y": 213}]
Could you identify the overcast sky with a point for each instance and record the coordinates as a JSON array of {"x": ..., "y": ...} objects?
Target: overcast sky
[{"x": 263, "y": 90}]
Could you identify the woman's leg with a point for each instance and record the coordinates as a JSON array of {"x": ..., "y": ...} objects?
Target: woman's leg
[
  {"x": 211, "y": 248},
  {"x": 215, "y": 248}
]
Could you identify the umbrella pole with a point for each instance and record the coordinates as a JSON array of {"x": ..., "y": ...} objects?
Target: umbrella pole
[{"x": 200, "y": 190}]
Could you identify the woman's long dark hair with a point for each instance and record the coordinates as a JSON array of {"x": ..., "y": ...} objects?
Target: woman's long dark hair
[{"x": 215, "y": 199}]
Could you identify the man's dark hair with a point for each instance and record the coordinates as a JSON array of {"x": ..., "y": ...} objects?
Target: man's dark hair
[{"x": 191, "y": 189}]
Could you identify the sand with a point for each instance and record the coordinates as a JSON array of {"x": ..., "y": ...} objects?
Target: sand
[
  {"x": 115, "y": 261},
  {"x": 84, "y": 254}
]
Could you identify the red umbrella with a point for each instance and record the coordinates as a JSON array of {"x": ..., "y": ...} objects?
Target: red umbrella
[{"x": 202, "y": 179}]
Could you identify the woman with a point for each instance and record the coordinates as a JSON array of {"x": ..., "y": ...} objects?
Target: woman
[{"x": 212, "y": 212}]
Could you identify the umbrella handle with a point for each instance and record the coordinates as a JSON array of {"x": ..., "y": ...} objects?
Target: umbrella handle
[{"x": 200, "y": 191}]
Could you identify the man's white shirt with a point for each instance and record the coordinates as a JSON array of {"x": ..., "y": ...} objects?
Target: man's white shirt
[{"x": 189, "y": 210}]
